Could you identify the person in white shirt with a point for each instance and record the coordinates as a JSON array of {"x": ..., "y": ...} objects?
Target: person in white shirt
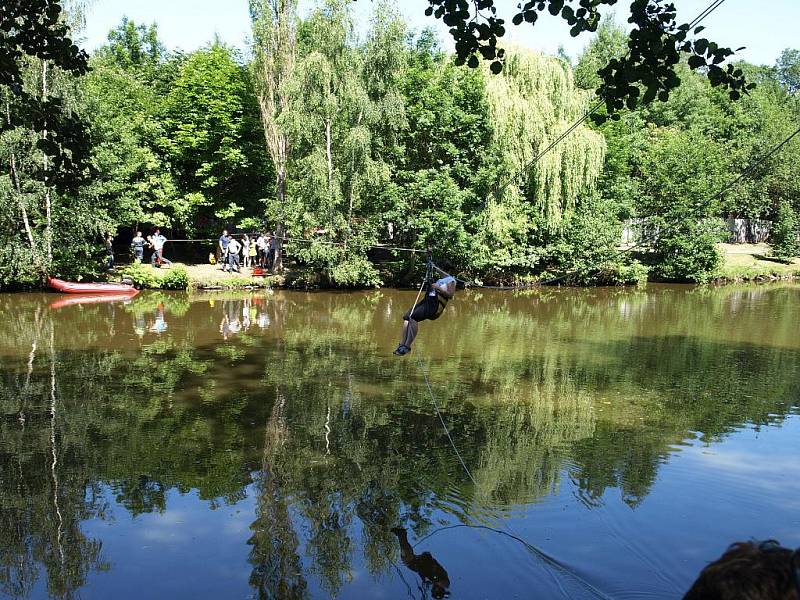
[
  {"x": 234, "y": 247},
  {"x": 261, "y": 246},
  {"x": 246, "y": 250},
  {"x": 157, "y": 241},
  {"x": 429, "y": 308}
]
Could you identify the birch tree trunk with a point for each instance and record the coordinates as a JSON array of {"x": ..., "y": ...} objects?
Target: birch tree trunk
[
  {"x": 274, "y": 56},
  {"x": 329, "y": 154},
  {"x": 48, "y": 232},
  {"x": 17, "y": 186}
]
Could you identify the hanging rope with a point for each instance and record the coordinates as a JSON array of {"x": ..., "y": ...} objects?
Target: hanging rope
[
  {"x": 444, "y": 424},
  {"x": 538, "y": 552}
]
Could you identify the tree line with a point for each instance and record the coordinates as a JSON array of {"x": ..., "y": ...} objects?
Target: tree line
[{"x": 346, "y": 141}]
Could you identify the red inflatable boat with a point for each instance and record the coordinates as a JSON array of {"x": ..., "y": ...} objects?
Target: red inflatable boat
[{"x": 70, "y": 287}]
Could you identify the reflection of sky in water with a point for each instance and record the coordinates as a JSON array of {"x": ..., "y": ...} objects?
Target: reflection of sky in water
[
  {"x": 745, "y": 487},
  {"x": 602, "y": 426}
]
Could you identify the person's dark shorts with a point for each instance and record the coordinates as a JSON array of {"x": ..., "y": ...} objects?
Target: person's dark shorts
[{"x": 425, "y": 310}]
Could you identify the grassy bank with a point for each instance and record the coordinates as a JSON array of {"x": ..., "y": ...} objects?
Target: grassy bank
[
  {"x": 195, "y": 277},
  {"x": 752, "y": 262},
  {"x": 741, "y": 263}
]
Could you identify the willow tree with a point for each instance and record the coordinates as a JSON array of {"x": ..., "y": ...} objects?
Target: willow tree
[
  {"x": 347, "y": 110},
  {"x": 531, "y": 103},
  {"x": 274, "y": 54}
]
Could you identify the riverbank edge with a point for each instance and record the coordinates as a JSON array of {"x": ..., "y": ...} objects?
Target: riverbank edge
[
  {"x": 290, "y": 280},
  {"x": 742, "y": 264}
]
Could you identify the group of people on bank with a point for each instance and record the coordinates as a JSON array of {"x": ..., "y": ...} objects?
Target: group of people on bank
[
  {"x": 232, "y": 251},
  {"x": 155, "y": 241},
  {"x": 258, "y": 251}
]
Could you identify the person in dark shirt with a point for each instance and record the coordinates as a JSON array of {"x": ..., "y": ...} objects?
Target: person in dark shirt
[
  {"x": 137, "y": 243},
  {"x": 273, "y": 245},
  {"x": 224, "y": 241},
  {"x": 424, "y": 565},
  {"x": 429, "y": 308},
  {"x": 110, "y": 251}
]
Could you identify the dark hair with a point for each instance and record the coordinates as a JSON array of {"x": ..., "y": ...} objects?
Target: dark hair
[{"x": 751, "y": 570}]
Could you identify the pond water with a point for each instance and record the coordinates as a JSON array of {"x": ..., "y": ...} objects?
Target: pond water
[{"x": 265, "y": 445}]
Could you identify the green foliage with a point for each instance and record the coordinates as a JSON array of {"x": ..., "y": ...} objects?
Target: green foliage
[
  {"x": 176, "y": 278},
  {"x": 384, "y": 139},
  {"x": 213, "y": 137},
  {"x": 142, "y": 275},
  {"x": 686, "y": 249},
  {"x": 681, "y": 174},
  {"x": 788, "y": 70},
  {"x": 784, "y": 233},
  {"x": 585, "y": 248},
  {"x": 610, "y": 42},
  {"x": 654, "y": 45},
  {"x": 36, "y": 34},
  {"x": 135, "y": 182}
]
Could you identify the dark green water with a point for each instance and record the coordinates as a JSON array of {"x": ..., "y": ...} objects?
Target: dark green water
[{"x": 264, "y": 445}]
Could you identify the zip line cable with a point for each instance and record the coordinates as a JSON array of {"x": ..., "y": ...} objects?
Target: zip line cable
[
  {"x": 747, "y": 171},
  {"x": 510, "y": 532},
  {"x": 696, "y": 21},
  {"x": 497, "y": 192}
]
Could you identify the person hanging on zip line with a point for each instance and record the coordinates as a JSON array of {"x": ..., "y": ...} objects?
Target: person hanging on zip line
[{"x": 431, "y": 307}]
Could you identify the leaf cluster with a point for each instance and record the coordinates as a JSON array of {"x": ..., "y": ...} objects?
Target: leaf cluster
[
  {"x": 646, "y": 72},
  {"x": 36, "y": 28}
]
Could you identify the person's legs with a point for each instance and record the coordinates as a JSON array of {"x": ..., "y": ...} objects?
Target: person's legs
[
  {"x": 154, "y": 257},
  {"x": 410, "y": 330},
  {"x": 162, "y": 259}
]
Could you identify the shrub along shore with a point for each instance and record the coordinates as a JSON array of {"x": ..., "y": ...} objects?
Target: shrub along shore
[{"x": 741, "y": 263}]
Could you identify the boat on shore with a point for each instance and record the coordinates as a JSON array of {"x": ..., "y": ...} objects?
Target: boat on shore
[{"x": 71, "y": 287}]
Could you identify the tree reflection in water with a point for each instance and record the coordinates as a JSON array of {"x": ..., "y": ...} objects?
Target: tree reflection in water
[{"x": 295, "y": 397}]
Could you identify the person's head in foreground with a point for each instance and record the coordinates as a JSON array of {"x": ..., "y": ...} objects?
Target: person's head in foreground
[{"x": 750, "y": 571}]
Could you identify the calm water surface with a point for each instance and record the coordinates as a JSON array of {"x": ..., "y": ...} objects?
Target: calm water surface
[{"x": 264, "y": 445}]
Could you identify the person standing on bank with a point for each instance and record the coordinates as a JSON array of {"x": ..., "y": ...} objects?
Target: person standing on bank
[
  {"x": 224, "y": 240},
  {"x": 158, "y": 241},
  {"x": 430, "y": 307},
  {"x": 233, "y": 254},
  {"x": 273, "y": 246},
  {"x": 246, "y": 243},
  {"x": 110, "y": 251},
  {"x": 137, "y": 243},
  {"x": 261, "y": 247}
]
